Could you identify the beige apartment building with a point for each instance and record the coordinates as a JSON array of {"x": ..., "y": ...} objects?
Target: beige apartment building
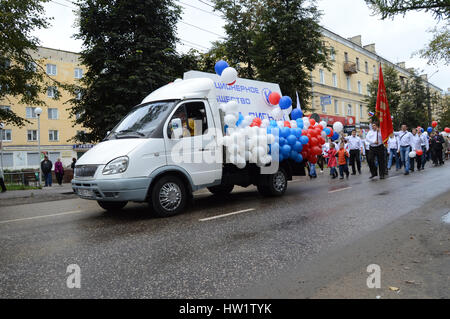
[
  {"x": 20, "y": 145},
  {"x": 339, "y": 94}
]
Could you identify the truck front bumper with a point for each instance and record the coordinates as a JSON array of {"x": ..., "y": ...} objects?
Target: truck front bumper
[{"x": 113, "y": 190}]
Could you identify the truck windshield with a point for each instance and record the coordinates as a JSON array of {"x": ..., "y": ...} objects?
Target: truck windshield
[{"x": 143, "y": 120}]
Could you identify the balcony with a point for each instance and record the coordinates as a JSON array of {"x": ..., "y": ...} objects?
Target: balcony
[{"x": 350, "y": 68}]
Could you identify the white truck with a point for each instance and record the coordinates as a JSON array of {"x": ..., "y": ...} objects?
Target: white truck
[{"x": 136, "y": 161}]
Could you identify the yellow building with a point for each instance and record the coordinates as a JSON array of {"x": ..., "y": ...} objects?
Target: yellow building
[
  {"x": 20, "y": 145},
  {"x": 339, "y": 94}
]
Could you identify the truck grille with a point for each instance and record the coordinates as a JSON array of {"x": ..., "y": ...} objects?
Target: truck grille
[{"x": 85, "y": 171}]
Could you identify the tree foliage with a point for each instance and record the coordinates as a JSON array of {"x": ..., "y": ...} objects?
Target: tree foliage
[
  {"x": 390, "y": 8},
  {"x": 274, "y": 40},
  {"x": 129, "y": 51},
  {"x": 439, "y": 47},
  {"x": 21, "y": 76},
  {"x": 444, "y": 120}
]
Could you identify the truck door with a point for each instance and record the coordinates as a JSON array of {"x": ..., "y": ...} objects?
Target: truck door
[{"x": 191, "y": 142}]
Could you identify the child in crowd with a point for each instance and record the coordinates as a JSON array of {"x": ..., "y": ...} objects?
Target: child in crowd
[
  {"x": 342, "y": 161},
  {"x": 332, "y": 163}
]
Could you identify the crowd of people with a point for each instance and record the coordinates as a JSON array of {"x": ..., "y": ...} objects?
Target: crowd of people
[{"x": 410, "y": 150}]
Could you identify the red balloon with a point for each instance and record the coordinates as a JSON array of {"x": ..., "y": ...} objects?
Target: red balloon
[
  {"x": 318, "y": 132},
  {"x": 312, "y": 122},
  {"x": 312, "y": 159},
  {"x": 256, "y": 122},
  {"x": 321, "y": 140},
  {"x": 419, "y": 152},
  {"x": 331, "y": 134},
  {"x": 309, "y": 137},
  {"x": 304, "y": 132},
  {"x": 317, "y": 150},
  {"x": 434, "y": 124},
  {"x": 274, "y": 98},
  {"x": 447, "y": 130},
  {"x": 304, "y": 154},
  {"x": 320, "y": 126},
  {"x": 314, "y": 141},
  {"x": 287, "y": 124}
]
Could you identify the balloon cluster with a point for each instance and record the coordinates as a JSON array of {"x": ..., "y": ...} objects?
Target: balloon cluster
[
  {"x": 227, "y": 74},
  {"x": 282, "y": 107}
]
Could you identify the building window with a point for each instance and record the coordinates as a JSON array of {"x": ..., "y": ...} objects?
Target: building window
[
  {"x": 52, "y": 91},
  {"x": 31, "y": 113},
  {"x": 368, "y": 89},
  {"x": 5, "y": 107},
  {"x": 357, "y": 64},
  {"x": 53, "y": 135},
  {"x": 8, "y": 160},
  {"x": 32, "y": 135},
  {"x": 333, "y": 54},
  {"x": 367, "y": 67},
  {"x": 359, "y": 87},
  {"x": 336, "y": 107},
  {"x": 335, "y": 84},
  {"x": 349, "y": 109},
  {"x": 346, "y": 56},
  {"x": 374, "y": 69},
  {"x": 5, "y": 135},
  {"x": 349, "y": 86},
  {"x": 324, "y": 109},
  {"x": 78, "y": 94},
  {"x": 51, "y": 69},
  {"x": 33, "y": 159},
  {"x": 78, "y": 73},
  {"x": 52, "y": 114},
  {"x": 322, "y": 77},
  {"x": 361, "y": 111},
  {"x": 32, "y": 67},
  {"x": 53, "y": 156}
]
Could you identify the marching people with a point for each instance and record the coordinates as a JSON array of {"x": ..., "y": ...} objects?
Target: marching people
[
  {"x": 332, "y": 162},
  {"x": 342, "y": 161},
  {"x": 393, "y": 151},
  {"x": 74, "y": 161},
  {"x": 59, "y": 171},
  {"x": 46, "y": 167},
  {"x": 355, "y": 147},
  {"x": 404, "y": 139},
  {"x": 425, "y": 147},
  {"x": 436, "y": 144},
  {"x": 416, "y": 146},
  {"x": 377, "y": 152}
]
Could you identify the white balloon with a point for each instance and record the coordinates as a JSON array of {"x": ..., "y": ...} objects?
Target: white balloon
[
  {"x": 288, "y": 111},
  {"x": 254, "y": 130},
  {"x": 233, "y": 149},
  {"x": 262, "y": 140},
  {"x": 265, "y": 123},
  {"x": 338, "y": 127},
  {"x": 253, "y": 142},
  {"x": 294, "y": 124},
  {"x": 277, "y": 113},
  {"x": 270, "y": 138},
  {"x": 324, "y": 124},
  {"x": 306, "y": 123},
  {"x": 249, "y": 118},
  {"x": 266, "y": 159},
  {"x": 262, "y": 131},
  {"x": 231, "y": 107},
  {"x": 247, "y": 155},
  {"x": 412, "y": 154},
  {"x": 227, "y": 140},
  {"x": 229, "y": 75},
  {"x": 259, "y": 151},
  {"x": 230, "y": 120},
  {"x": 324, "y": 135},
  {"x": 280, "y": 124},
  {"x": 241, "y": 165}
]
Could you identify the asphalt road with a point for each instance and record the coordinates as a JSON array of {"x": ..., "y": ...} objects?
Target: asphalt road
[{"x": 315, "y": 242}]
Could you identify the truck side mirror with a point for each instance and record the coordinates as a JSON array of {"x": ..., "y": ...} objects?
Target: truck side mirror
[{"x": 177, "y": 129}]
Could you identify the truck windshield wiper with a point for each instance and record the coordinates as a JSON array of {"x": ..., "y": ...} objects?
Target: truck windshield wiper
[{"x": 128, "y": 133}]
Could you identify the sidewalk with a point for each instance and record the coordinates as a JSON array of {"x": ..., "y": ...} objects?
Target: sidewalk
[{"x": 18, "y": 197}]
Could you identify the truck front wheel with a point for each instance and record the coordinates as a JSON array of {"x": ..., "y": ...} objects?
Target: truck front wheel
[
  {"x": 111, "y": 206},
  {"x": 274, "y": 184},
  {"x": 169, "y": 196}
]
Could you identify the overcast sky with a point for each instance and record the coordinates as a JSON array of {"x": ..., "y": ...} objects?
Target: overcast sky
[{"x": 395, "y": 40}]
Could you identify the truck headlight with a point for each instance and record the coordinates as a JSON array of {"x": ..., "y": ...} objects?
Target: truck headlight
[{"x": 116, "y": 166}]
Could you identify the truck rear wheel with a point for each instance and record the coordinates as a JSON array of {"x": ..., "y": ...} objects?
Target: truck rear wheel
[
  {"x": 111, "y": 206},
  {"x": 221, "y": 189},
  {"x": 273, "y": 185},
  {"x": 169, "y": 196}
]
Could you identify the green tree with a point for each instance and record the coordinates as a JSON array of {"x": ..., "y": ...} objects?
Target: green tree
[
  {"x": 439, "y": 47},
  {"x": 129, "y": 51},
  {"x": 393, "y": 91},
  {"x": 21, "y": 76},
  {"x": 444, "y": 120},
  {"x": 413, "y": 103},
  {"x": 276, "y": 41}
]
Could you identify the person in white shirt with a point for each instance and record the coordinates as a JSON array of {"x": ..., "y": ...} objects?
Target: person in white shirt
[
  {"x": 416, "y": 146},
  {"x": 393, "y": 151},
  {"x": 377, "y": 151},
  {"x": 405, "y": 141},
  {"x": 355, "y": 147},
  {"x": 425, "y": 147}
]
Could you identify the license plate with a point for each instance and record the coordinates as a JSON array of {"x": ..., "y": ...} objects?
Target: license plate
[{"x": 86, "y": 193}]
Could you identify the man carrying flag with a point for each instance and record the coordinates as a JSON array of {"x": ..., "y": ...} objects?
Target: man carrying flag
[{"x": 382, "y": 110}]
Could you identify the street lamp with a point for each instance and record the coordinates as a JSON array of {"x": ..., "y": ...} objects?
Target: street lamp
[{"x": 38, "y": 112}]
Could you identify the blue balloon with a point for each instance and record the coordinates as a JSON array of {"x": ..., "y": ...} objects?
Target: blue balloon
[
  {"x": 430, "y": 129},
  {"x": 273, "y": 123},
  {"x": 285, "y": 132},
  {"x": 422, "y": 130},
  {"x": 291, "y": 139},
  {"x": 296, "y": 114},
  {"x": 298, "y": 147},
  {"x": 299, "y": 158},
  {"x": 304, "y": 140},
  {"x": 297, "y": 132},
  {"x": 293, "y": 155},
  {"x": 286, "y": 150},
  {"x": 285, "y": 102},
  {"x": 335, "y": 136},
  {"x": 282, "y": 141},
  {"x": 274, "y": 148},
  {"x": 239, "y": 121},
  {"x": 300, "y": 124},
  {"x": 281, "y": 158},
  {"x": 327, "y": 130},
  {"x": 220, "y": 66}
]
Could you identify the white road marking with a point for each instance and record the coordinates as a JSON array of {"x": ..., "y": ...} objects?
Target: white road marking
[
  {"x": 225, "y": 215},
  {"x": 43, "y": 216},
  {"x": 339, "y": 190}
]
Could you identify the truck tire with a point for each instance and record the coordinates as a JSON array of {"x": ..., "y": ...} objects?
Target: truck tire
[
  {"x": 111, "y": 206},
  {"x": 273, "y": 185},
  {"x": 169, "y": 196},
  {"x": 221, "y": 189}
]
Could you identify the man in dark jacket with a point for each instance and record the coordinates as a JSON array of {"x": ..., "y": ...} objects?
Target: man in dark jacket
[
  {"x": 46, "y": 167},
  {"x": 436, "y": 145}
]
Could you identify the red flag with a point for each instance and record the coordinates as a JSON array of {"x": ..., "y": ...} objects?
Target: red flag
[{"x": 382, "y": 110}]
